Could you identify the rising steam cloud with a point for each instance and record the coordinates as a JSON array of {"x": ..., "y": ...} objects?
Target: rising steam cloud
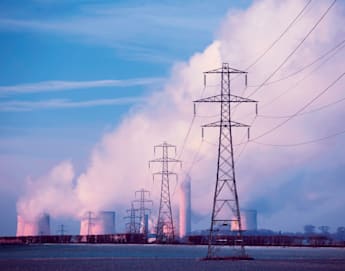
[{"x": 276, "y": 181}]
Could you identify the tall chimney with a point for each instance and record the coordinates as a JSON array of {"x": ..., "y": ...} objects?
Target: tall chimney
[{"x": 185, "y": 207}]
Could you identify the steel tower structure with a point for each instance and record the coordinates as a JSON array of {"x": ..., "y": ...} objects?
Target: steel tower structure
[
  {"x": 225, "y": 210},
  {"x": 61, "y": 230},
  {"x": 143, "y": 210},
  {"x": 165, "y": 226},
  {"x": 133, "y": 225},
  {"x": 90, "y": 224}
]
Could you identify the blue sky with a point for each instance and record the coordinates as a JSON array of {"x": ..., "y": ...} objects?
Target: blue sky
[{"x": 134, "y": 42}]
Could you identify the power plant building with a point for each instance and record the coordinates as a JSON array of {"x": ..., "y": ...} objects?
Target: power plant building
[
  {"x": 185, "y": 207},
  {"x": 33, "y": 227},
  {"x": 98, "y": 223}
]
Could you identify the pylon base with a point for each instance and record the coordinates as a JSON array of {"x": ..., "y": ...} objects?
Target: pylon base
[{"x": 229, "y": 258}]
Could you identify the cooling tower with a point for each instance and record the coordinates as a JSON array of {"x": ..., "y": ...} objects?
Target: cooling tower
[
  {"x": 98, "y": 223},
  {"x": 185, "y": 207},
  {"x": 248, "y": 221},
  {"x": 33, "y": 227}
]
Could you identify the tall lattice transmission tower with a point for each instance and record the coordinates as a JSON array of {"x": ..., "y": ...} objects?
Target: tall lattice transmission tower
[
  {"x": 225, "y": 210},
  {"x": 165, "y": 227}
]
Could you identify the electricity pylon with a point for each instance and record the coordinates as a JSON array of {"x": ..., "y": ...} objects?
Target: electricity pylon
[
  {"x": 165, "y": 226},
  {"x": 61, "y": 230},
  {"x": 90, "y": 224},
  {"x": 225, "y": 210},
  {"x": 143, "y": 210},
  {"x": 133, "y": 225}
]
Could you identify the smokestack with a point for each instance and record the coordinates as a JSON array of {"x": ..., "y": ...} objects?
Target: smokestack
[
  {"x": 185, "y": 207},
  {"x": 33, "y": 227},
  {"x": 98, "y": 223}
]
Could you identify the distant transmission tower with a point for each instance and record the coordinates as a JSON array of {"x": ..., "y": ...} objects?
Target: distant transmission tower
[
  {"x": 61, "y": 230},
  {"x": 226, "y": 210},
  {"x": 133, "y": 225},
  {"x": 90, "y": 224},
  {"x": 165, "y": 226},
  {"x": 143, "y": 210}
]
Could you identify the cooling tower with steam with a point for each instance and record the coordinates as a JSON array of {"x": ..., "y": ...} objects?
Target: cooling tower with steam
[
  {"x": 33, "y": 227},
  {"x": 98, "y": 223},
  {"x": 185, "y": 207},
  {"x": 248, "y": 221}
]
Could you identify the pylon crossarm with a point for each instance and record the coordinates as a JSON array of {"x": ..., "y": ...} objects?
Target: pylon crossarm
[
  {"x": 225, "y": 124},
  {"x": 225, "y": 98},
  {"x": 166, "y": 173},
  {"x": 169, "y": 160},
  {"x": 225, "y": 69}
]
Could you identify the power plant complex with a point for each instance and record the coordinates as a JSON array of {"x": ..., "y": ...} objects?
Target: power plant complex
[{"x": 104, "y": 222}]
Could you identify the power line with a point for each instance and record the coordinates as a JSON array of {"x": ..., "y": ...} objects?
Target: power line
[
  {"x": 301, "y": 109},
  {"x": 301, "y": 143},
  {"x": 336, "y": 48},
  {"x": 298, "y": 114},
  {"x": 189, "y": 129},
  {"x": 306, "y": 112},
  {"x": 186, "y": 137},
  {"x": 302, "y": 79},
  {"x": 293, "y": 51},
  {"x": 195, "y": 158},
  {"x": 279, "y": 37},
  {"x": 276, "y": 41}
]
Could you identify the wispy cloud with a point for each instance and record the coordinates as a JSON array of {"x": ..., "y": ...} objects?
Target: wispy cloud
[
  {"x": 47, "y": 86},
  {"x": 12, "y": 106},
  {"x": 130, "y": 28}
]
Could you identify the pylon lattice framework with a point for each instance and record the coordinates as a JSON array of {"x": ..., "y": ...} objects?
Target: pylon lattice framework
[
  {"x": 143, "y": 210},
  {"x": 133, "y": 225},
  {"x": 225, "y": 210},
  {"x": 165, "y": 226},
  {"x": 90, "y": 223}
]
